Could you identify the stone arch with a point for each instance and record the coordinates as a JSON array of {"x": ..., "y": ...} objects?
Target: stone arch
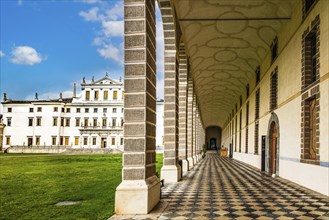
[{"x": 273, "y": 127}]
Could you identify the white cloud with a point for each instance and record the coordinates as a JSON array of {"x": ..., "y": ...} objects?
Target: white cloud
[
  {"x": 20, "y": 2},
  {"x": 2, "y": 54},
  {"x": 116, "y": 12},
  {"x": 109, "y": 51},
  {"x": 113, "y": 28},
  {"x": 160, "y": 88},
  {"x": 26, "y": 55},
  {"x": 91, "y": 15},
  {"x": 98, "y": 41},
  {"x": 50, "y": 95}
]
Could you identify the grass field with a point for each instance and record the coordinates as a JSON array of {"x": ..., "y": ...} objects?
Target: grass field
[{"x": 31, "y": 185}]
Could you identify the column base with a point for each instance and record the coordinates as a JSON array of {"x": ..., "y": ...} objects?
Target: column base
[
  {"x": 190, "y": 162},
  {"x": 171, "y": 173},
  {"x": 185, "y": 167},
  {"x": 137, "y": 196}
]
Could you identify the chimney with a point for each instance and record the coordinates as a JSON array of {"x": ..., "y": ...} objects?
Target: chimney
[
  {"x": 92, "y": 79},
  {"x": 60, "y": 96},
  {"x": 36, "y": 96},
  {"x": 84, "y": 80},
  {"x": 4, "y": 97},
  {"x": 74, "y": 90}
]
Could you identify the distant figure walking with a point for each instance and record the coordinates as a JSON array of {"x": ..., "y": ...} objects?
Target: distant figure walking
[{"x": 216, "y": 148}]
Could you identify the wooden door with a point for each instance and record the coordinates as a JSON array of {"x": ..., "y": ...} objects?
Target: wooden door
[{"x": 273, "y": 148}]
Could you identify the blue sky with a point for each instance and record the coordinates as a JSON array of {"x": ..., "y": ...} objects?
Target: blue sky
[{"x": 46, "y": 46}]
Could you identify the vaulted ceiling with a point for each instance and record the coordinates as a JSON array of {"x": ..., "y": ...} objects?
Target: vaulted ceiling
[{"x": 225, "y": 41}]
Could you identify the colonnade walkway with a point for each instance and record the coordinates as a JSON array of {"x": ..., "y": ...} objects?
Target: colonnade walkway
[{"x": 223, "y": 188}]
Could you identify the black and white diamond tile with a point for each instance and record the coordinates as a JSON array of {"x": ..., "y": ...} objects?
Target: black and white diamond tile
[{"x": 222, "y": 188}]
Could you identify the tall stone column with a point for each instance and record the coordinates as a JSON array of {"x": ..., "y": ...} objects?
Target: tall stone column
[
  {"x": 171, "y": 171},
  {"x": 190, "y": 121},
  {"x": 139, "y": 190},
  {"x": 183, "y": 109},
  {"x": 194, "y": 129}
]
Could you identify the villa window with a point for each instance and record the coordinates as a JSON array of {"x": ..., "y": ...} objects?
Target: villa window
[
  {"x": 274, "y": 49},
  {"x": 87, "y": 95},
  {"x": 114, "y": 110},
  {"x": 274, "y": 90},
  {"x": 95, "y": 122},
  {"x": 95, "y": 110},
  {"x": 68, "y": 110},
  {"x": 96, "y": 95},
  {"x": 53, "y": 142},
  {"x": 78, "y": 110},
  {"x": 257, "y": 121},
  {"x": 39, "y": 121},
  {"x": 66, "y": 141},
  {"x": 55, "y": 109},
  {"x": 104, "y": 122},
  {"x": 94, "y": 141},
  {"x": 37, "y": 140},
  {"x": 86, "y": 122},
  {"x": 77, "y": 122},
  {"x": 76, "y": 141},
  {"x": 310, "y": 71},
  {"x": 307, "y": 6},
  {"x": 39, "y": 109},
  {"x": 115, "y": 95},
  {"x": 114, "y": 121},
  {"x": 123, "y": 94},
  {"x": 106, "y": 95},
  {"x": 113, "y": 141},
  {"x": 104, "y": 110},
  {"x": 85, "y": 141},
  {"x": 8, "y": 140},
  {"x": 86, "y": 110},
  {"x": 247, "y": 90},
  {"x": 121, "y": 141},
  {"x": 10, "y": 110},
  {"x": 30, "y": 122},
  {"x": 31, "y": 110},
  {"x": 67, "y": 122},
  {"x": 257, "y": 75}
]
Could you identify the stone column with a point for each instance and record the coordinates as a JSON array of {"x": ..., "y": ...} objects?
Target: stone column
[
  {"x": 190, "y": 121},
  {"x": 194, "y": 129},
  {"x": 139, "y": 190},
  {"x": 171, "y": 171},
  {"x": 183, "y": 109}
]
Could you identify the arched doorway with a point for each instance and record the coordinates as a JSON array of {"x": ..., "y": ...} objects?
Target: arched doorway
[
  {"x": 273, "y": 145},
  {"x": 272, "y": 148}
]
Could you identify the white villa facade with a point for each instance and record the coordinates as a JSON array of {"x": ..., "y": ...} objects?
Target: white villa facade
[{"x": 94, "y": 119}]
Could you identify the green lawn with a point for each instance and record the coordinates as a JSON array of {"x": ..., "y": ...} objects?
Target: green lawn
[{"x": 31, "y": 185}]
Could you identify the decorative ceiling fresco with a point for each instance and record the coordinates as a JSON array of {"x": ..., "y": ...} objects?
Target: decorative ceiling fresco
[{"x": 225, "y": 41}]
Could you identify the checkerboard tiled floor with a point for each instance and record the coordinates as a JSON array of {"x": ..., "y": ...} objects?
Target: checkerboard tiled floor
[{"x": 222, "y": 188}]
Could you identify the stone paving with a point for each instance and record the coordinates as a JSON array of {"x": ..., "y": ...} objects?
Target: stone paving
[{"x": 222, "y": 188}]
